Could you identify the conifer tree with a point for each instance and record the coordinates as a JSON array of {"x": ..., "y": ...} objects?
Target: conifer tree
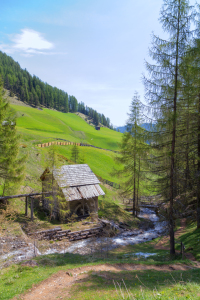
[
  {"x": 164, "y": 89},
  {"x": 11, "y": 163},
  {"x": 133, "y": 151},
  {"x": 75, "y": 153},
  {"x": 191, "y": 75}
]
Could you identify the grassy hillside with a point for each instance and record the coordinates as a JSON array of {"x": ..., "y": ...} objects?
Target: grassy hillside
[
  {"x": 40, "y": 125},
  {"x": 37, "y": 126},
  {"x": 100, "y": 161}
]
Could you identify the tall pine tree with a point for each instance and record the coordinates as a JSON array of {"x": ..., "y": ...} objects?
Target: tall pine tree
[
  {"x": 133, "y": 152},
  {"x": 164, "y": 89},
  {"x": 11, "y": 163}
]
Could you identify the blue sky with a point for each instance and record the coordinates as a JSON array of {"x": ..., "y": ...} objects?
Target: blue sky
[{"x": 94, "y": 50}]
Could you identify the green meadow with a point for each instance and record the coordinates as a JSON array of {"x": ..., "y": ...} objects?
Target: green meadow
[
  {"x": 46, "y": 124},
  {"x": 101, "y": 162},
  {"x": 144, "y": 284}
]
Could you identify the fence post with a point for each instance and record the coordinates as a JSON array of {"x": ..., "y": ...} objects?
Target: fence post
[
  {"x": 182, "y": 250},
  {"x": 26, "y": 207},
  {"x": 32, "y": 209}
]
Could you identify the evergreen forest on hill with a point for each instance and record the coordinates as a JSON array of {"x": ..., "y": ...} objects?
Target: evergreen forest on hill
[{"x": 33, "y": 91}]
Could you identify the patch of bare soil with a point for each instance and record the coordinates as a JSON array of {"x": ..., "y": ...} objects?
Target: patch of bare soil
[{"x": 58, "y": 285}]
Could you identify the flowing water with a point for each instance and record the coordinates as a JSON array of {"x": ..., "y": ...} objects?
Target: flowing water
[
  {"x": 127, "y": 237},
  {"x": 89, "y": 245}
]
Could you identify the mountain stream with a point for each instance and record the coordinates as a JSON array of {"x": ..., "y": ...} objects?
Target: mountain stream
[{"x": 90, "y": 245}]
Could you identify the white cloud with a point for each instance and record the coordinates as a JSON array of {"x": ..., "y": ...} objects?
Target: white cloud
[
  {"x": 28, "y": 42},
  {"x": 6, "y": 48}
]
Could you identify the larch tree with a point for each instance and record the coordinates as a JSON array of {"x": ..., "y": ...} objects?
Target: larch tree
[
  {"x": 192, "y": 75},
  {"x": 133, "y": 149},
  {"x": 164, "y": 88},
  {"x": 75, "y": 153}
]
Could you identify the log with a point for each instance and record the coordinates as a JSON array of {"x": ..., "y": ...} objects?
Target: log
[
  {"x": 68, "y": 230},
  {"x": 22, "y": 195},
  {"x": 46, "y": 231},
  {"x": 86, "y": 230},
  {"x": 59, "y": 234}
]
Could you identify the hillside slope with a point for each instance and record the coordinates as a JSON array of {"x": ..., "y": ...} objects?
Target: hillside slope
[
  {"x": 31, "y": 90},
  {"x": 41, "y": 125}
]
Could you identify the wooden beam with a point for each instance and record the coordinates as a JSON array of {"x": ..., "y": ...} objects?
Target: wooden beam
[{"x": 22, "y": 195}]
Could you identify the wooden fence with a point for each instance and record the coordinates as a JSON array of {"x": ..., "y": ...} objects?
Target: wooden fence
[
  {"x": 113, "y": 184},
  {"x": 28, "y": 198},
  {"x": 58, "y": 143},
  {"x": 66, "y": 143}
]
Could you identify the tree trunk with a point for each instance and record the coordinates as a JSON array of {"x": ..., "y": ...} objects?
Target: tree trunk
[
  {"x": 198, "y": 171},
  {"x": 134, "y": 191},
  {"x": 134, "y": 195},
  {"x": 187, "y": 171},
  {"x": 138, "y": 187},
  {"x": 171, "y": 221}
]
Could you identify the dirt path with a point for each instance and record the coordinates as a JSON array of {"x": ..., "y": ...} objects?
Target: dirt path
[{"x": 58, "y": 285}]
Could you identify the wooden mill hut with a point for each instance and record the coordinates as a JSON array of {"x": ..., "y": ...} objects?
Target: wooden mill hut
[{"x": 77, "y": 185}]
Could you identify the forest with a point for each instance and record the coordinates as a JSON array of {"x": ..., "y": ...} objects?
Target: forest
[
  {"x": 172, "y": 93},
  {"x": 33, "y": 91}
]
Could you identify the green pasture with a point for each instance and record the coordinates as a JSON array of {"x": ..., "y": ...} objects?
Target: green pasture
[
  {"x": 141, "y": 284},
  {"x": 191, "y": 240},
  {"x": 146, "y": 285},
  {"x": 50, "y": 124},
  {"x": 101, "y": 162}
]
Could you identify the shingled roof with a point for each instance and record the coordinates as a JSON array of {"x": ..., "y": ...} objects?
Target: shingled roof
[
  {"x": 77, "y": 182},
  {"x": 75, "y": 175}
]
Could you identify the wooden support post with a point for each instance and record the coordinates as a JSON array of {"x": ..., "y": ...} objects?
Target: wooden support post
[
  {"x": 26, "y": 207},
  {"x": 182, "y": 250},
  {"x": 42, "y": 194},
  {"x": 32, "y": 209},
  {"x": 83, "y": 208}
]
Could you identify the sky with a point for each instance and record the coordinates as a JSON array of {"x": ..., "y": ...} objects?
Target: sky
[{"x": 94, "y": 50}]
